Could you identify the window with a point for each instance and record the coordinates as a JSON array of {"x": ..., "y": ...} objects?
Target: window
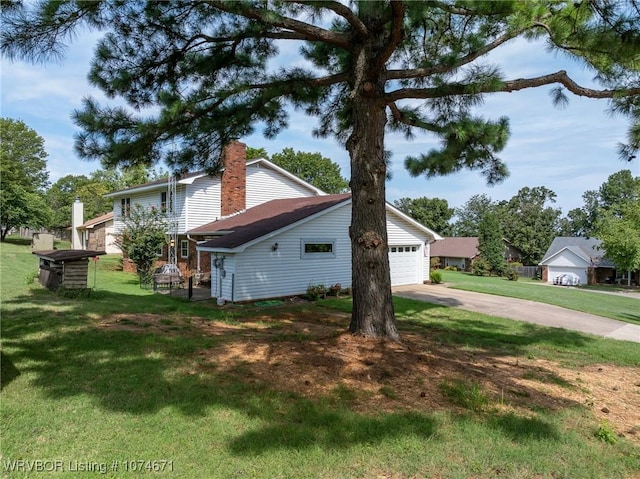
[
  {"x": 125, "y": 207},
  {"x": 163, "y": 202},
  {"x": 318, "y": 248},
  {"x": 184, "y": 248},
  {"x": 160, "y": 251}
]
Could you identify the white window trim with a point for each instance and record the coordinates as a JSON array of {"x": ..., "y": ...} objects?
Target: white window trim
[
  {"x": 125, "y": 207},
  {"x": 305, "y": 241},
  {"x": 182, "y": 243}
]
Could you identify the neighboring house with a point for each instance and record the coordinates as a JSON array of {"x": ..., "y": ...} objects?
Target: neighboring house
[
  {"x": 581, "y": 256},
  {"x": 282, "y": 247},
  {"x": 461, "y": 251},
  {"x": 94, "y": 234},
  {"x": 201, "y": 198},
  {"x": 98, "y": 234}
]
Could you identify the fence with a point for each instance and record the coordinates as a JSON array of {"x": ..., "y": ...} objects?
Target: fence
[{"x": 528, "y": 271}]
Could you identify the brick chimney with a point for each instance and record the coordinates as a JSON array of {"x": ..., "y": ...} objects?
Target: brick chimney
[{"x": 234, "y": 178}]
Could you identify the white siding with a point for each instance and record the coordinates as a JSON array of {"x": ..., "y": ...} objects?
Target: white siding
[
  {"x": 426, "y": 261},
  {"x": 202, "y": 202},
  {"x": 567, "y": 258},
  {"x": 264, "y": 184},
  {"x": 146, "y": 200},
  {"x": 109, "y": 240},
  {"x": 264, "y": 273},
  {"x": 567, "y": 262},
  {"x": 223, "y": 277},
  {"x": 400, "y": 233}
]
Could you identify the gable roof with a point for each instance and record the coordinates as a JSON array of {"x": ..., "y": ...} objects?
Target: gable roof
[
  {"x": 189, "y": 178},
  {"x": 456, "y": 247},
  {"x": 96, "y": 221},
  {"x": 261, "y": 220},
  {"x": 585, "y": 248}
]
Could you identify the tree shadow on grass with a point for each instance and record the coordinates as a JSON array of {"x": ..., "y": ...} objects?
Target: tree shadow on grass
[
  {"x": 146, "y": 366},
  {"x": 8, "y": 370},
  {"x": 142, "y": 371}
]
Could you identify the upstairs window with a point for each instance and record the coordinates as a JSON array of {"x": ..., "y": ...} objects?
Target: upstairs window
[
  {"x": 163, "y": 202},
  {"x": 125, "y": 207}
]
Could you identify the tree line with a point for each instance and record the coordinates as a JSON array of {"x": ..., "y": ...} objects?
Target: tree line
[
  {"x": 29, "y": 199},
  {"x": 529, "y": 220}
]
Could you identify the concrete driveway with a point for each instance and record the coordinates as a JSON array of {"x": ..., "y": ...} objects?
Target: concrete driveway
[{"x": 521, "y": 310}]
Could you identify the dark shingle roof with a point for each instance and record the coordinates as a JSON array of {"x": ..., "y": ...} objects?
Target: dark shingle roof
[
  {"x": 62, "y": 255},
  {"x": 263, "y": 219}
]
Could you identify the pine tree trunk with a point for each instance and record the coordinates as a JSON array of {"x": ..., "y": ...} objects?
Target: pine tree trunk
[{"x": 373, "y": 314}]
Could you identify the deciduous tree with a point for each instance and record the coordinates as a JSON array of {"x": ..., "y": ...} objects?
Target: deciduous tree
[
  {"x": 210, "y": 70},
  {"x": 470, "y": 215},
  {"x": 313, "y": 168},
  {"x": 434, "y": 213},
  {"x": 620, "y": 236},
  {"x": 24, "y": 177},
  {"x": 143, "y": 233},
  {"x": 529, "y": 223}
]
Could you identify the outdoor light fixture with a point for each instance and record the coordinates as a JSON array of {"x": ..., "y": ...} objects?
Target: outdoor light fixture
[{"x": 274, "y": 247}]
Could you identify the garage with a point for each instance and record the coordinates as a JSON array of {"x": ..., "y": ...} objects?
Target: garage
[
  {"x": 556, "y": 270},
  {"x": 405, "y": 263}
]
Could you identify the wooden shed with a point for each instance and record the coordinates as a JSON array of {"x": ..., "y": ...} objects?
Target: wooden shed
[{"x": 66, "y": 268}]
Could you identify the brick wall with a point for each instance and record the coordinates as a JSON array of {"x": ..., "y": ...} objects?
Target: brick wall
[{"x": 234, "y": 178}]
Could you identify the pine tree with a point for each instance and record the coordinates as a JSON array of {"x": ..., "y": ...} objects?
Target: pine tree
[
  {"x": 207, "y": 70},
  {"x": 490, "y": 243}
]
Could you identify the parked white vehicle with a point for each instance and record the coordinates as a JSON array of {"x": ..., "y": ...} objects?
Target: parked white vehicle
[{"x": 567, "y": 279}]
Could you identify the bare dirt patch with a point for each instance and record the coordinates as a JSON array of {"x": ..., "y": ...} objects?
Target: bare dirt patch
[{"x": 308, "y": 352}]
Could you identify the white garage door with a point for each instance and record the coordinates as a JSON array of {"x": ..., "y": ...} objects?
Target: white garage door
[
  {"x": 556, "y": 270},
  {"x": 404, "y": 263}
]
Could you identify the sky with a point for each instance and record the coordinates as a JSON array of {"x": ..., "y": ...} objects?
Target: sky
[{"x": 569, "y": 150}]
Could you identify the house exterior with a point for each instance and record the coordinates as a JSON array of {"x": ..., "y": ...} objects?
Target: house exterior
[
  {"x": 461, "y": 252},
  {"x": 282, "y": 247},
  {"x": 580, "y": 256},
  {"x": 201, "y": 198},
  {"x": 98, "y": 234}
]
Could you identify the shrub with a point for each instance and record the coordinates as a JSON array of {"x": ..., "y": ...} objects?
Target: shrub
[
  {"x": 335, "y": 290},
  {"x": 512, "y": 273},
  {"x": 435, "y": 262},
  {"x": 315, "y": 291},
  {"x": 481, "y": 267},
  {"x": 436, "y": 277}
]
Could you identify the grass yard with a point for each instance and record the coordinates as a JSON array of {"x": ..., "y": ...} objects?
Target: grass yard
[
  {"x": 623, "y": 308},
  {"x": 124, "y": 382}
]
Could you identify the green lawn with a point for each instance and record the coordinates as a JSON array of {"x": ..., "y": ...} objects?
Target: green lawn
[
  {"x": 585, "y": 299},
  {"x": 80, "y": 390}
]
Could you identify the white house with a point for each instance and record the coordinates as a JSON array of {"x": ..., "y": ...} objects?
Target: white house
[
  {"x": 283, "y": 246},
  {"x": 201, "y": 198},
  {"x": 577, "y": 255}
]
